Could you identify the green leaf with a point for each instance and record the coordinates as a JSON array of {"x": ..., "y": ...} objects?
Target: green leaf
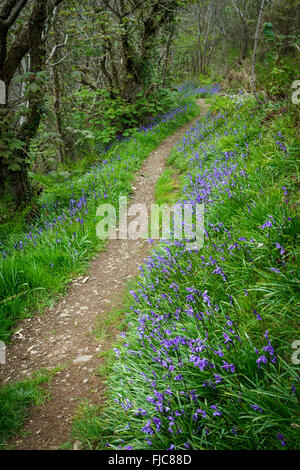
[{"x": 14, "y": 167}]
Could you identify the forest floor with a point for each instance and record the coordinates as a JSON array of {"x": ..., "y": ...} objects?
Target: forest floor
[{"x": 64, "y": 336}]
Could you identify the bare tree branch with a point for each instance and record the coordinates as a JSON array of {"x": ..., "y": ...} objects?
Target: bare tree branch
[{"x": 57, "y": 46}]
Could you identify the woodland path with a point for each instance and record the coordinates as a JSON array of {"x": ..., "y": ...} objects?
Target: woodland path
[{"x": 63, "y": 335}]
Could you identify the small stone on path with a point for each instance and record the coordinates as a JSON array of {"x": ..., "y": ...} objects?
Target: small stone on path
[{"x": 81, "y": 359}]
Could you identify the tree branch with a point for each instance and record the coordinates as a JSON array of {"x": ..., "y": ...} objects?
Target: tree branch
[
  {"x": 13, "y": 14},
  {"x": 106, "y": 3},
  {"x": 57, "y": 46}
]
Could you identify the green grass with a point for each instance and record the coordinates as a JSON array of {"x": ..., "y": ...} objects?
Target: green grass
[
  {"x": 34, "y": 274},
  {"x": 16, "y": 400},
  {"x": 87, "y": 426},
  {"x": 236, "y": 300},
  {"x": 168, "y": 187},
  {"x": 34, "y": 277},
  {"x": 115, "y": 319}
]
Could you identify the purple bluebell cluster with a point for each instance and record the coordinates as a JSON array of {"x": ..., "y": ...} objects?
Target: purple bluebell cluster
[
  {"x": 191, "y": 88},
  {"x": 80, "y": 196},
  {"x": 194, "y": 376}
]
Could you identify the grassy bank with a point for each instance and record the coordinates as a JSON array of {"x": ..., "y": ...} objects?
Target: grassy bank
[
  {"x": 15, "y": 401},
  {"x": 207, "y": 360},
  {"x": 36, "y": 266}
]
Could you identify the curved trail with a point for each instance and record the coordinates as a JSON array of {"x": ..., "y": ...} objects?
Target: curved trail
[{"x": 63, "y": 335}]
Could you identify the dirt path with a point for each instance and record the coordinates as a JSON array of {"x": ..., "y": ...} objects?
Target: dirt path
[{"x": 63, "y": 335}]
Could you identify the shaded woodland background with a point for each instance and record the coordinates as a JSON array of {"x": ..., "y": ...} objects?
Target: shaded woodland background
[
  {"x": 80, "y": 75},
  {"x": 92, "y": 87}
]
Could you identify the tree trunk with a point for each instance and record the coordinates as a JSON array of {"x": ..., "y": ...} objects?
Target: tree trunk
[
  {"x": 22, "y": 188},
  {"x": 57, "y": 112},
  {"x": 167, "y": 57},
  {"x": 255, "y": 50},
  {"x": 29, "y": 39}
]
